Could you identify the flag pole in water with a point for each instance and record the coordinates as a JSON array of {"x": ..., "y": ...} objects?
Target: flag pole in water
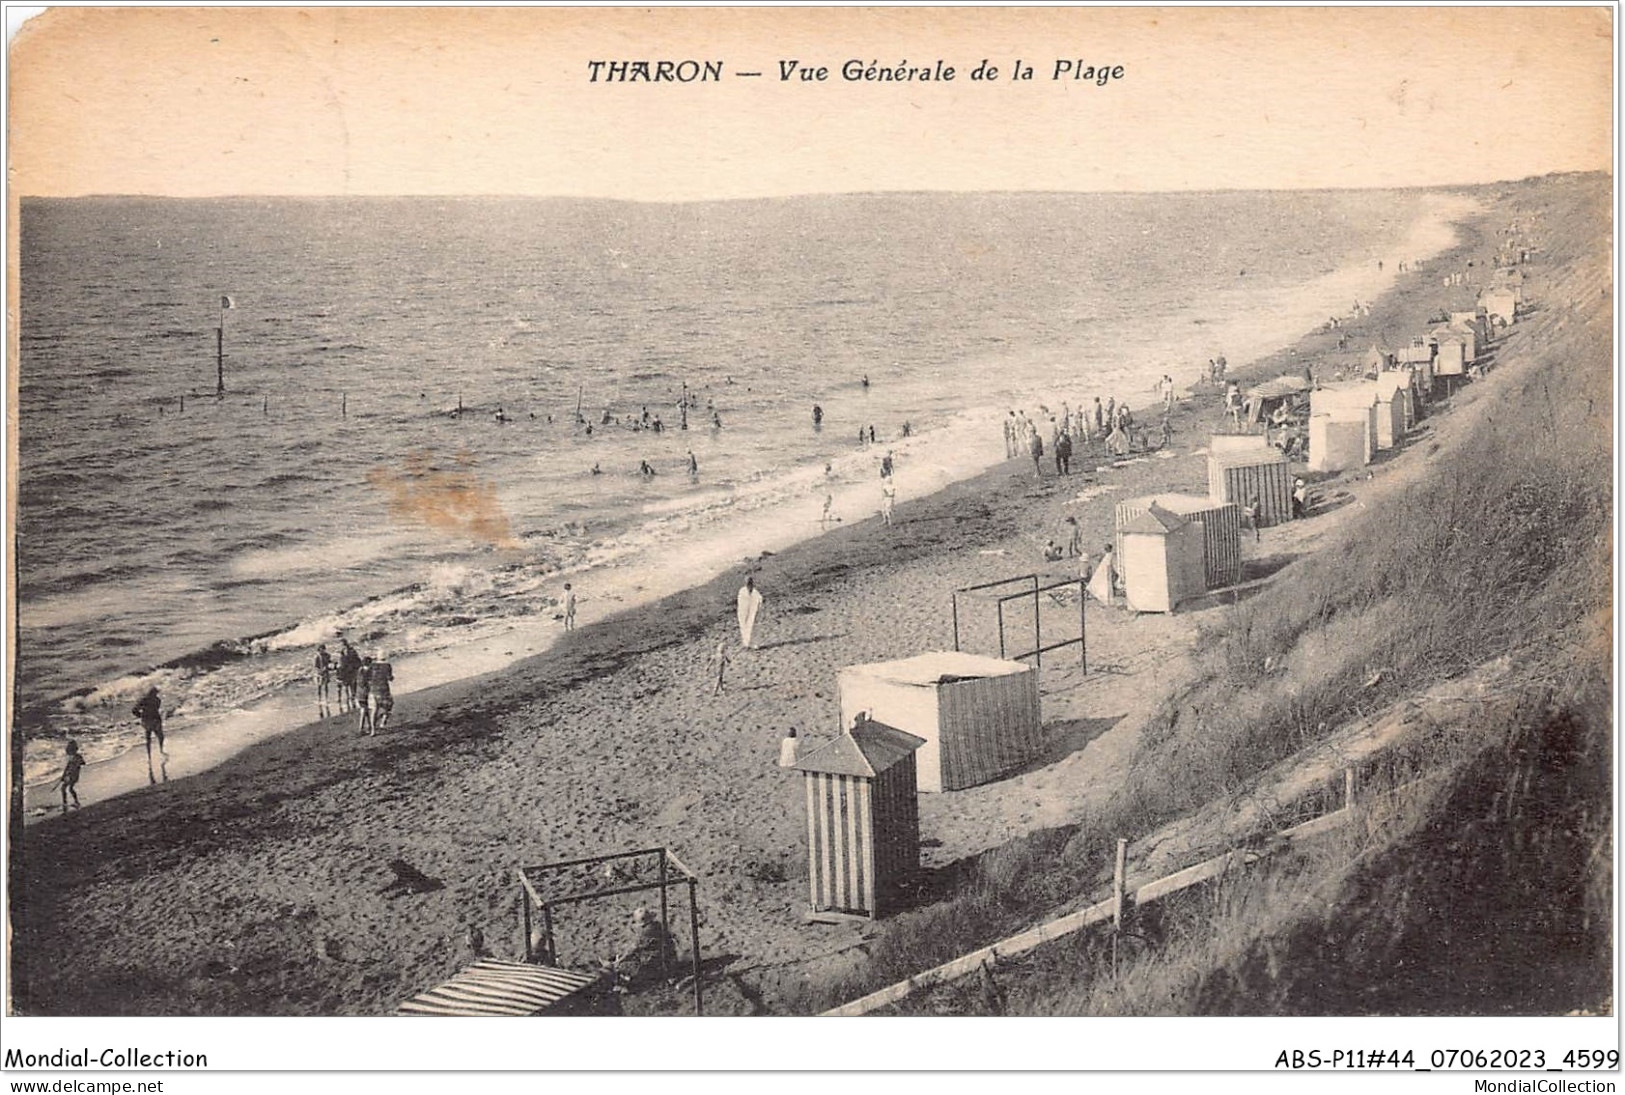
[{"x": 220, "y": 347}]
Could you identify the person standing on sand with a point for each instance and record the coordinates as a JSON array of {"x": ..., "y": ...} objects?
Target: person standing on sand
[
  {"x": 569, "y": 608},
  {"x": 324, "y": 677},
  {"x": 1104, "y": 582},
  {"x": 1063, "y": 454},
  {"x": 349, "y": 665},
  {"x": 74, "y": 764},
  {"x": 149, "y": 709},
  {"x": 1074, "y": 541},
  {"x": 789, "y": 749},
  {"x": 1035, "y": 446},
  {"x": 888, "y": 499},
  {"x": 380, "y": 700},
  {"x": 362, "y": 684},
  {"x": 750, "y": 607},
  {"x": 721, "y": 659}
]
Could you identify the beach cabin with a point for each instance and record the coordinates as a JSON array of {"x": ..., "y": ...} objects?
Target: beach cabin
[
  {"x": 1161, "y": 560},
  {"x": 863, "y": 822},
  {"x": 1476, "y": 322},
  {"x": 1262, "y": 475},
  {"x": 1418, "y": 356},
  {"x": 1378, "y": 358},
  {"x": 1262, "y": 401},
  {"x": 1343, "y": 427},
  {"x": 1221, "y": 531},
  {"x": 1454, "y": 351},
  {"x": 1393, "y": 396},
  {"x": 977, "y": 717},
  {"x": 1500, "y": 304}
]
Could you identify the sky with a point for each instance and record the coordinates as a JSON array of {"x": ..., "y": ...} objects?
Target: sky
[{"x": 359, "y": 101}]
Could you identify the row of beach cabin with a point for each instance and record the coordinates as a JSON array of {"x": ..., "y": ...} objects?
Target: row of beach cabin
[{"x": 948, "y": 720}]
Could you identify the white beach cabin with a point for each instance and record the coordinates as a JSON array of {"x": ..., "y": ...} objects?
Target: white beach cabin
[
  {"x": 1162, "y": 560},
  {"x": 979, "y": 716},
  {"x": 1343, "y": 427}
]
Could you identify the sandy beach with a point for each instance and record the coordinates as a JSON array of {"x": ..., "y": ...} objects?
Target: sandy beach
[{"x": 258, "y": 887}]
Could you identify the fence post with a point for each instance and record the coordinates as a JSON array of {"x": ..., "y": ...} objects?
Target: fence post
[
  {"x": 1000, "y": 605},
  {"x": 1038, "y": 629},
  {"x": 955, "y": 600},
  {"x": 524, "y": 900},
  {"x": 1083, "y": 625},
  {"x": 1119, "y": 873}
]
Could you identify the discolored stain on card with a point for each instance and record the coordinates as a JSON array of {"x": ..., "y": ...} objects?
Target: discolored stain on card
[{"x": 453, "y": 500}]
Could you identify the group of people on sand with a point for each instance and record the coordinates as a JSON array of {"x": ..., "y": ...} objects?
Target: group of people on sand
[
  {"x": 1111, "y": 424},
  {"x": 364, "y": 685}
]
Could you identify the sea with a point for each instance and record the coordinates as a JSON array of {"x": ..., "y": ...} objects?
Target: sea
[{"x": 434, "y": 409}]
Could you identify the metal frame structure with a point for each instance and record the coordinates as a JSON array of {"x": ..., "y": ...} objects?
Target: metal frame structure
[
  {"x": 1039, "y": 649},
  {"x": 532, "y": 889}
]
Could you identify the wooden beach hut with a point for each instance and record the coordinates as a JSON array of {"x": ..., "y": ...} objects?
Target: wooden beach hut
[
  {"x": 977, "y": 717},
  {"x": 1161, "y": 560},
  {"x": 1454, "y": 351},
  {"x": 1343, "y": 427},
  {"x": 1221, "y": 531},
  {"x": 1395, "y": 414},
  {"x": 1378, "y": 358},
  {"x": 863, "y": 822},
  {"x": 1476, "y": 322},
  {"x": 1418, "y": 356},
  {"x": 1500, "y": 303},
  {"x": 1258, "y": 474}
]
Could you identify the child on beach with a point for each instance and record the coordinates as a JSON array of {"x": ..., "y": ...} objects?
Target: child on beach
[
  {"x": 569, "y": 608},
  {"x": 349, "y": 665},
  {"x": 888, "y": 500},
  {"x": 70, "y": 775},
  {"x": 721, "y": 659},
  {"x": 324, "y": 677},
  {"x": 361, "y": 686},
  {"x": 379, "y": 698}
]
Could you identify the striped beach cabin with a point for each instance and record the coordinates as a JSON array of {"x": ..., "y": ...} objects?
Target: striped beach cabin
[
  {"x": 1261, "y": 475},
  {"x": 1221, "y": 528},
  {"x": 978, "y": 717},
  {"x": 863, "y": 822}
]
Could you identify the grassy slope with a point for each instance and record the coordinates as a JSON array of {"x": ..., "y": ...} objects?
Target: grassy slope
[{"x": 1491, "y": 892}]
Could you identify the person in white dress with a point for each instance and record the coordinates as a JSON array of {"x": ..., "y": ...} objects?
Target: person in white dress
[{"x": 750, "y": 607}]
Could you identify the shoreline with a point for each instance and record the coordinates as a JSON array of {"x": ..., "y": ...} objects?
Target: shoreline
[{"x": 216, "y": 737}]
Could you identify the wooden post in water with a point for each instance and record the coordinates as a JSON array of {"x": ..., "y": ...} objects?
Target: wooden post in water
[
  {"x": 183, "y": 404},
  {"x": 220, "y": 356},
  {"x": 344, "y": 404}
]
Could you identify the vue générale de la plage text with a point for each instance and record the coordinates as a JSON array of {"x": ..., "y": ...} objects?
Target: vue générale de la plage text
[{"x": 853, "y": 71}]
